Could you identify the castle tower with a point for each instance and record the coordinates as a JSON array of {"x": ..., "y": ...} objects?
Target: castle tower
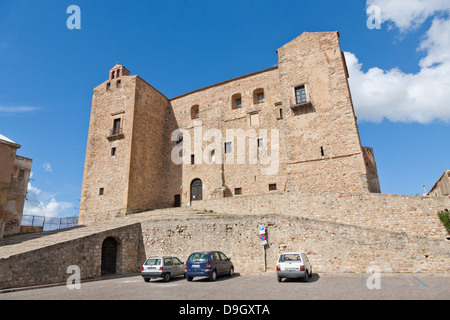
[{"x": 123, "y": 168}]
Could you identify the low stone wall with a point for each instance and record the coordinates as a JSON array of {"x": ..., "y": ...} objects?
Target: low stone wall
[
  {"x": 331, "y": 247},
  {"x": 413, "y": 215},
  {"x": 49, "y": 264}
]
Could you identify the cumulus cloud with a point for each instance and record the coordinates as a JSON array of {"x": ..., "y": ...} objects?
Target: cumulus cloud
[
  {"x": 409, "y": 14},
  {"x": 38, "y": 204},
  {"x": 422, "y": 97}
]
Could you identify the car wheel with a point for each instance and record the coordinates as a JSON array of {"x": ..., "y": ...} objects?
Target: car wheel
[
  {"x": 279, "y": 279},
  {"x": 189, "y": 278},
  {"x": 147, "y": 279},
  {"x": 166, "y": 277},
  {"x": 213, "y": 276},
  {"x": 231, "y": 273},
  {"x": 306, "y": 278}
]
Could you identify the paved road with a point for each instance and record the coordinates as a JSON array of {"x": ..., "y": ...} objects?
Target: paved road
[{"x": 261, "y": 287}]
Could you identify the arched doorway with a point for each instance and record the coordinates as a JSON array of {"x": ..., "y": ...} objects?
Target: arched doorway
[
  {"x": 109, "y": 256},
  {"x": 196, "y": 190}
]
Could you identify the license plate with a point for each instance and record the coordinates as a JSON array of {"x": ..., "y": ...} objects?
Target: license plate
[
  {"x": 291, "y": 269},
  {"x": 195, "y": 266},
  {"x": 149, "y": 268}
]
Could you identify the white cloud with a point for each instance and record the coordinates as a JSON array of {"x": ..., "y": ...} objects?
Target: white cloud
[
  {"x": 409, "y": 14},
  {"x": 17, "y": 109},
  {"x": 37, "y": 204},
  {"x": 398, "y": 96},
  {"x": 47, "y": 167}
]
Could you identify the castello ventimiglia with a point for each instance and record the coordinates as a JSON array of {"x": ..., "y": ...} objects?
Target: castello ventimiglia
[{"x": 298, "y": 116}]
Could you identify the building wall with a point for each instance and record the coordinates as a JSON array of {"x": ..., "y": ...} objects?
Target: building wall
[
  {"x": 442, "y": 187},
  {"x": 17, "y": 195},
  {"x": 14, "y": 175},
  {"x": 101, "y": 169},
  {"x": 7, "y": 159},
  {"x": 312, "y": 148}
]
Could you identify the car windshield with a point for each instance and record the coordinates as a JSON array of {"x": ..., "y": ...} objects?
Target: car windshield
[
  {"x": 152, "y": 262},
  {"x": 290, "y": 257},
  {"x": 198, "y": 257}
]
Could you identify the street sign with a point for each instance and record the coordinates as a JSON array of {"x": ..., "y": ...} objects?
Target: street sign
[
  {"x": 262, "y": 229},
  {"x": 262, "y": 237},
  {"x": 263, "y": 243}
]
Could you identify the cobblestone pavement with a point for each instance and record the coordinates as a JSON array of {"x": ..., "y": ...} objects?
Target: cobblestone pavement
[{"x": 250, "y": 287}]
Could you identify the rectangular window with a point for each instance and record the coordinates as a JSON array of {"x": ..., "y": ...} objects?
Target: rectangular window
[
  {"x": 118, "y": 83},
  {"x": 113, "y": 152},
  {"x": 237, "y": 191},
  {"x": 21, "y": 174},
  {"x": 280, "y": 114},
  {"x": 260, "y": 143},
  {"x": 192, "y": 159},
  {"x": 108, "y": 86},
  {"x": 101, "y": 191},
  {"x": 116, "y": 127},
  {"x": 272, "y": 186},
  {"x": 300, "y": 94},
  {"x": 228, "y": 148}
]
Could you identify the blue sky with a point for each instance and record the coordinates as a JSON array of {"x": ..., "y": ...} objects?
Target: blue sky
[{"x": 398, "y": 74}]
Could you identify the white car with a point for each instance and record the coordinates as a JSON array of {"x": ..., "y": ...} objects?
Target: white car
[
  {"x": 293, "y": 265},
  {"x": 162, "y": 267}
]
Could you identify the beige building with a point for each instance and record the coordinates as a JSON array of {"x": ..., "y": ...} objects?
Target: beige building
[
  {"x": 14, "y": 174},
  {"x": 442, "y": 187},
  {"x": 287, "y": 128}
]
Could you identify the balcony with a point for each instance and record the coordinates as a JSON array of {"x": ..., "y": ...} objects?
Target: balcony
[{"x": 115, "y": 134}]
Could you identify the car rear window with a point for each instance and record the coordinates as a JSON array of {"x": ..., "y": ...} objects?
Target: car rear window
[
  {"x": 198, "y": 257},
  {"x": 152, "y": 262},
  {"x": 290, "y": 257}
]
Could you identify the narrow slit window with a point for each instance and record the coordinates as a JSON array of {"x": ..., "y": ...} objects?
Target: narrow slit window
[
  {"x": 101, "y": 191},
  {"x": 113, "y": 151},
  {"x": 116, "y": 126},
  {"x": 192, "y": 159},
  {"x": 322, "y": 152},
  {"x": 228, "y": 148}
]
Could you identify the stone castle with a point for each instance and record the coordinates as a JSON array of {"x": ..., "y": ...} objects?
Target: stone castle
[
  {"x": 323, "y": 196},
  {"x": 305, "y": 100}
]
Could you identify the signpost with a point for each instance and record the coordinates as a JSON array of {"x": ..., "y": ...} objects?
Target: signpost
[{"x": 263, "y": 242}]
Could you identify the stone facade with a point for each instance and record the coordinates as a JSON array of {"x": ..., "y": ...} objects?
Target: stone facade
[
  {"x": 14, "y": 175},
  {"x": 294, "y": 124},
  {"x": 442, "y": 187}
]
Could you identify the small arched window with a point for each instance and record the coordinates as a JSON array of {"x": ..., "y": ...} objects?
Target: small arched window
[
  {"x": 195, "y": 112},
  {"x": 258, "y": 96},
  {"x": 236, "y": 101}
]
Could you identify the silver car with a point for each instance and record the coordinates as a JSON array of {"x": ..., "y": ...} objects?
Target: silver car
[
  {"x": 162, "y": 267},
  {"x": 293, "y": 265}
]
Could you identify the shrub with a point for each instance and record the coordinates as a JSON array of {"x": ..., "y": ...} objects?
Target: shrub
[{"x": 445, "y": 218}]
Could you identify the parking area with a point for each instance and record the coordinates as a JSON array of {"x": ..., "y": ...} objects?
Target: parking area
[{"x": 250, "y": 287}]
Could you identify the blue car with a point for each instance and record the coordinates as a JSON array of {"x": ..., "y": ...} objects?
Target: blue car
[{"x": 208, "y": 264}]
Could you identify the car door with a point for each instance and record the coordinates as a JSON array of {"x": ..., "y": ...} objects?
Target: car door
[
  {"x": 178, "y": 266},
  {"x": 168, "y": 265},
  {"x": 226, "y": 262},
  {"x": 217, "y": 262}
]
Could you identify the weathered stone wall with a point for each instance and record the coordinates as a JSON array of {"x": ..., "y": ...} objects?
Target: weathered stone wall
[
  {"x": 413, "y": 215},
  {"x": 49, "y": 264},
  {"x": 331, "y": 247}
]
